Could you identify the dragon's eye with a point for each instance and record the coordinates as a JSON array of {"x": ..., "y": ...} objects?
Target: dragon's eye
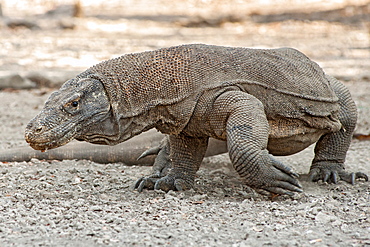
[{"x": 75, "y": 103}]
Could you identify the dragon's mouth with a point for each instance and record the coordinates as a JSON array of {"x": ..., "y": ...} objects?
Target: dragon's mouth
[
  {"x": 48, "y": 140},
  {"x": 44, "y": 146},
  {"x": 44, "y": 135}
]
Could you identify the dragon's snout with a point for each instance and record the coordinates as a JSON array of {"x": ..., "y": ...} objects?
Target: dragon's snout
[
  {"x": 34, "y": 135},
  {"x": 32, "y": 129},
  {"x": 43, "y": 135}
]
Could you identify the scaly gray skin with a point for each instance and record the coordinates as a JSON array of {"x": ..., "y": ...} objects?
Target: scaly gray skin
[{"x": 261, "y": 102}]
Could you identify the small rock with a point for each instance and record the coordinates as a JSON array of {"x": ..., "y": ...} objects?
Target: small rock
[
  {"x": 76, "y": 180},
  {"x": 316, "y": 210},
  {"x": 257, "y": 229},
  {"x": 52, "y": 79},
  {"x": 61, "y": 11},
  {"x": 40, "y": 80},
  {"x": 245, "y": 194},
  {"x": 218, "y": 191},
  {"x": 96, "y": 208},
  {"x": 13, "y": 24},
  {"x": 67, "y": 23},
  {"x": 171, "y": 197},
  {"x": 218, "y": 180},
  {"x": 172, "y": 193},
  {"x": 198, "y": 197},
  {"x": 35, "y": 161},
  {"x": 78, "y": 226},
  {"x": 325, "y": 218},
  {"x": 16, "y": 81},
  {"x": 313, "y": 241}
]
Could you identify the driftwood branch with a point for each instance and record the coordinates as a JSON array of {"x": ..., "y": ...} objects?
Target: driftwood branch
[{"x": 126, "y": 152}]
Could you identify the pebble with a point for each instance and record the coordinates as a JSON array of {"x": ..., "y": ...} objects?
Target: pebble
[
  {"x": 94, "y": 207},
  {"x": 15, "y": 81},
  {"x": 325, "y": 218}
]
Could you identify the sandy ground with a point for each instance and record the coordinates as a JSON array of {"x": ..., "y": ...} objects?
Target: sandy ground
[{"x": 81, "y": 203}]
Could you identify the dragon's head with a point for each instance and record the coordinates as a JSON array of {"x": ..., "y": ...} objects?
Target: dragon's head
[{"x": 80, "y": 105}]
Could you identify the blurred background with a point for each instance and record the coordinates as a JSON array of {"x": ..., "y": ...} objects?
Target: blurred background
[
  {"x": 56, "y": 35},
  {"x": 43, "y": 43}
]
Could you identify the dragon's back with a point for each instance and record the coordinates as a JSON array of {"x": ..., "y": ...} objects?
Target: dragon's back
[{"x": 141, "y": 81}]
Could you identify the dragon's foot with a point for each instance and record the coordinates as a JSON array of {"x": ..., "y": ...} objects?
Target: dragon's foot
[
  {"x": 161, "y": 166},
  {"x": 275, "y": 179},
  {"x": 146, "y": 182},
  {"x": 332, "y": 173},
  {"x": 166, "y": 183}
]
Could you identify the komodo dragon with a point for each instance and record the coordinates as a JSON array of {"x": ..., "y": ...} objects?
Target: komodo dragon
[{"x": 262, "y": 102}]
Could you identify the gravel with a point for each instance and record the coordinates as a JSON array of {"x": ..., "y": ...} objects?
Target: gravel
[{"x": 82, "y": 203}]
